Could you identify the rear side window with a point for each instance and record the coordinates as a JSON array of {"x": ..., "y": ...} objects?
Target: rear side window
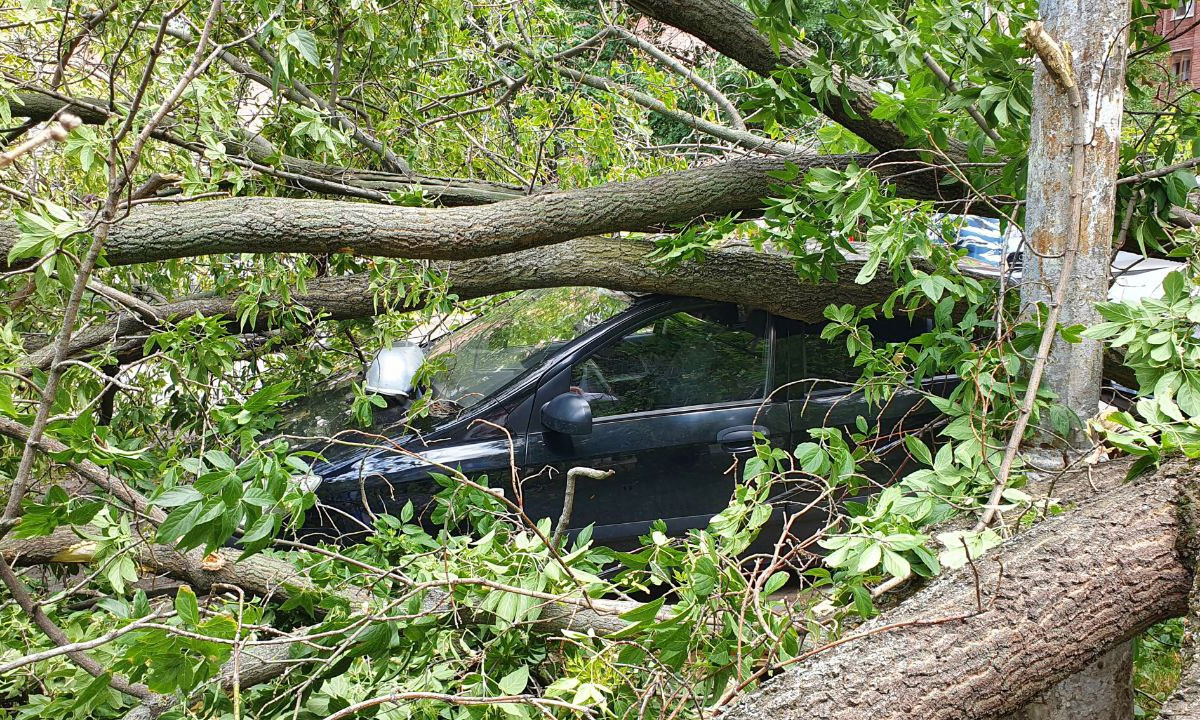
[
  {"x": 803, "y": 356},
  {"x": 697, "y": 357}
]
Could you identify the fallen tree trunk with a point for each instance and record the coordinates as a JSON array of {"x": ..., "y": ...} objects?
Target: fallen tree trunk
[
  {"x": 765, "y": 279},
  {"x": 287, "y": 225},
  {"x": 1046, "y": 605}
]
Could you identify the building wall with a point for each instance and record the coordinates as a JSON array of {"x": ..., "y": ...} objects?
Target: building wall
[{"x": 1183, "y": 35}]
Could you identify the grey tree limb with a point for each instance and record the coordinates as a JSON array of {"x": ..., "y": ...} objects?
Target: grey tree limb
[
  {"x": 286, "y": 225},
  {"x": 1053, "y": 600}
]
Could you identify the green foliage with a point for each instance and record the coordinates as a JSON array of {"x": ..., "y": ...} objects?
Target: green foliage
[
  {"x": 469, "y": 91},
  {"x": 1157, "y": 665},
  {"x": 1159, "y": 337}
]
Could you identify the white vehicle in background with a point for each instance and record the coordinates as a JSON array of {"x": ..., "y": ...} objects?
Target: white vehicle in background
[{"x": 1133, "y": 276}]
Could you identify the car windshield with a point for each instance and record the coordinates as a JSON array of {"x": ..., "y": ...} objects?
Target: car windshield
[{"x": 491, "y": 351}]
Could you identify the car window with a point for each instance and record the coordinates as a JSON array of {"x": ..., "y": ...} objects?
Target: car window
[
  {"x": 689, "y": 358},
  {"x": 812, "y": 363},
  {"x": 473, "y": 362}
]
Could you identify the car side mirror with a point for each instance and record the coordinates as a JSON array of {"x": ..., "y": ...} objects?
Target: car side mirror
[{"x": 568, "y": 414}]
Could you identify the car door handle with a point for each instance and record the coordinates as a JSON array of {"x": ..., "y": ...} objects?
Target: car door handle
[{"x": 740, "y": 438}]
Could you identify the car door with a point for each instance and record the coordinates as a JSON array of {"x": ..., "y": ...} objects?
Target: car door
[
  {"x": 676, "y": 400},
  {"x": 383, "y": 479},
  {"x": 821, "y": 377}
]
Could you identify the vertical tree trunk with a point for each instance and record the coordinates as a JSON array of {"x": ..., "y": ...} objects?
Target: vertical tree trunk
[
  {"x": 1102, "y": 691},
  {"x": 1094, "y": 34}
]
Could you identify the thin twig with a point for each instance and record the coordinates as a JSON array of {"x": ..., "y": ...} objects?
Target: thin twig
[
  {"x": 1059, "y": 68},
  {"x": 569, "y": 497},
  {"x": 55, "y": 132},
  {"x": 972, "y": 109}
]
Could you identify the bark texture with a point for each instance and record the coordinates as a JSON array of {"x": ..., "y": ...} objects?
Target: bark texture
[
  {"x": 1094, "y": 34},
  {"x": 766, "y": 280},
  {"x": 1055, "y": 599},
  {"x": 1101, "y": 691},
  {"x": 286, "y": 225}
]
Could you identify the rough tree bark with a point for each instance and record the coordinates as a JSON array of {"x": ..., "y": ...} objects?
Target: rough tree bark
[
  {"x": 1054, "y": 599},
  {"x": 1074, "y": 157},
  {"x": 269, "y": 225}
]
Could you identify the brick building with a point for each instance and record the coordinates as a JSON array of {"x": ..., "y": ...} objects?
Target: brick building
[{"x": 1181, "y": 28}]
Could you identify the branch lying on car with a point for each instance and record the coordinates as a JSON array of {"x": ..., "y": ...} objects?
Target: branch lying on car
[{"x": 765, "y": 279}]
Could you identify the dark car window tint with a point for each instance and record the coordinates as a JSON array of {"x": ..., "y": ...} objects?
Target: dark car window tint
[
  {"x": 803, "y": 355},
  {"x": 689, "y": 358}
]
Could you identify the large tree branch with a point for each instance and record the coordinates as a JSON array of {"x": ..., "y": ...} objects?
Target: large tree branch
[
  {"x": 283, "y": 225},
  {"x": 764, "y": 279},
  {"x": 1048, "y": 604},
  {"x": 727, "y": 107},
  {"x": 729, "y": 29}
]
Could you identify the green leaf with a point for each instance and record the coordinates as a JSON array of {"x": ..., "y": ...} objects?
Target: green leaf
[
  {"x": 775, "y": 582},
  {"x": 918, "y": 449},
  {"x": 1174, "y": 286},
  {"x": 645, "y": 612},
  {"x": 176, "y": 496},
  {"x": 187, "y": 606},
  {"x": 1072, "y": 333},
  {"x": 179, "y": 522},
  {"x": 262, "y": 528},
  {"x": 306, "y": 45},
  {"x": 219, "y": 459},
  {"x": 514, "y": 683},
  {"x": 895, "y": 564},
  {"x": 869, "y": 558},
  {"x": 862, "y": 601}
]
